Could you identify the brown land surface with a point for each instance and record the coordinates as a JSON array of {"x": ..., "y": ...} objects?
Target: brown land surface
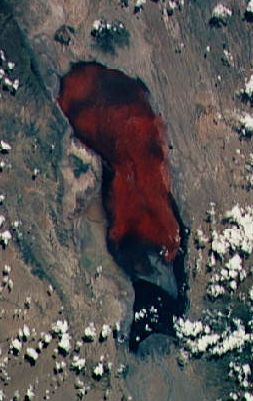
[{"x": 61, "y": 238}]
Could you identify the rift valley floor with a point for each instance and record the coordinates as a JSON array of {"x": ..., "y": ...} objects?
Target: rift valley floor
[{"x": 52, "y": 193}]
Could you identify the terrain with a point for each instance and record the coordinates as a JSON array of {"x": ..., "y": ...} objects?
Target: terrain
[{"x": 52, "y": 192}]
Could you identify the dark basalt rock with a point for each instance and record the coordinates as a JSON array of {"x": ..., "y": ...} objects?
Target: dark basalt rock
[{"x": 64, "y": 35}]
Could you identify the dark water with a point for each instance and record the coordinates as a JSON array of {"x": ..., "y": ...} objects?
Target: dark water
[{"x": 151, "y": 297}]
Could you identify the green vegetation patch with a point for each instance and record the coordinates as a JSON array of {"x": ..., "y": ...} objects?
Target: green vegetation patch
[{"x": 79, "y": 167}]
